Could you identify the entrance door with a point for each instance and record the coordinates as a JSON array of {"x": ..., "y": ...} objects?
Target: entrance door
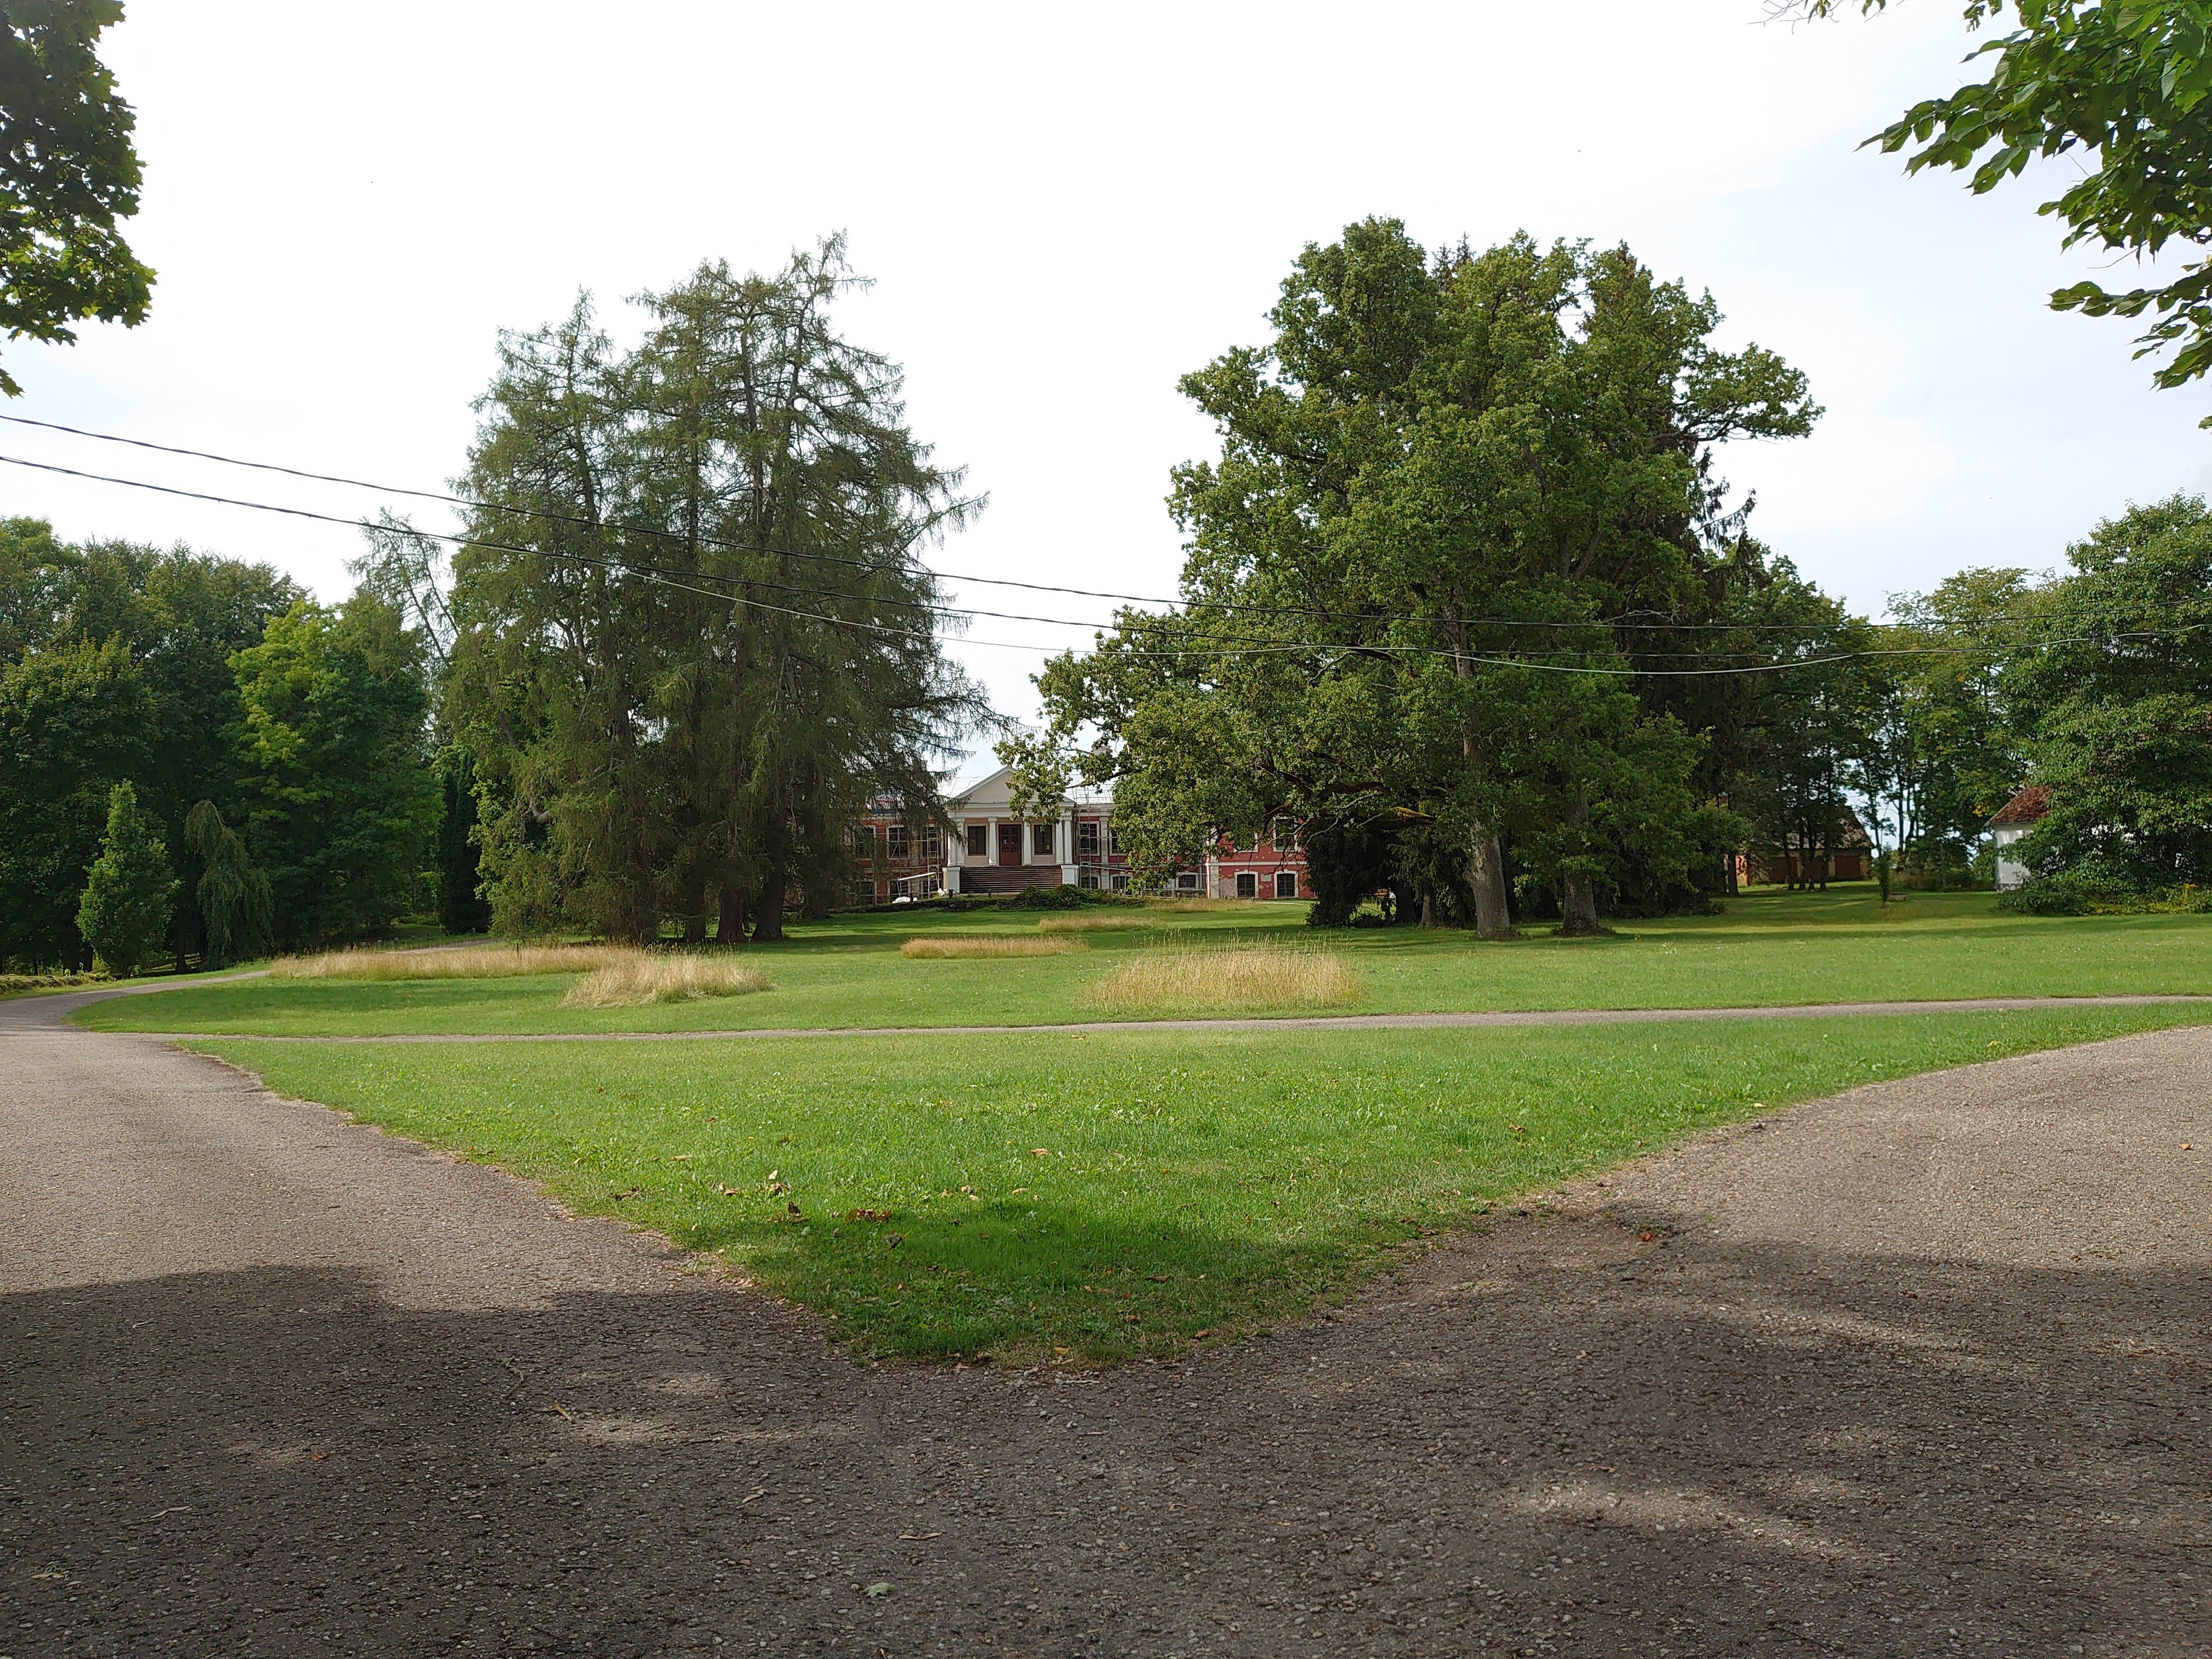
[{"x": 1010, "y": 843}]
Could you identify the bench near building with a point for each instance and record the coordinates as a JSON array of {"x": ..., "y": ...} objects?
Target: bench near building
[{"x": 994, "y": 851}]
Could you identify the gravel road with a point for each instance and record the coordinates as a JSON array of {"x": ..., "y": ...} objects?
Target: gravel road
[{"x": 1922, "y": 1368}]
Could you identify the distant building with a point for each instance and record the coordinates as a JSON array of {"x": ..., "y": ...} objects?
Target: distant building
[
  {"x": 993, "y": 850},
  {"x": 1848, "y": 857},
  {"x": 2028, "y": 807}
]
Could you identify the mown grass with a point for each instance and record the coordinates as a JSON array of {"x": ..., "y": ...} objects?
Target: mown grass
[
  {"x": 1768, "y": 949},
  {"x": 1099, "y": 1197}
]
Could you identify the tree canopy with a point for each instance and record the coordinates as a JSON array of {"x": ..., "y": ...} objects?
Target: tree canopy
[
  {"x": 68, "y": 174},
  {"x": 694, "y": 639},
  {"x": 2119, "y": 86},
  {"x": 1459, "y": 501}
]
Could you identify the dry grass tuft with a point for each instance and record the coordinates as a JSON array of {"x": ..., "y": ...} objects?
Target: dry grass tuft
[
  {"x": 464, "y": 962},
  {"x": 1093, "y": 924},
  {"x": 991, "y": 945},
  {"x": 648, "y": 976},
  {"x": 1185, "y": 907},
  {"x": 1238, "y": 979}
]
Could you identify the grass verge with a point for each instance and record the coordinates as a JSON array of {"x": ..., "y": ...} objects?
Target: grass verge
[
  {"x": 1769, "y": 948},
  {"x": 1106, "y": 1196}
]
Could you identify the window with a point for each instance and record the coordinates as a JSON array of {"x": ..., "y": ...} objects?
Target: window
[
  {"x": 979, "y": 841},
  {"x": 1087, "y": 879},
  {"x": 864, "y": 839},
  {"x": 1186, "y": 881},
  {"x": 1120, "y": 884},
  {"x": 1287, "y": 884},
  {"x": 864, "y": 892},
  {"x": 895, "y": 840},
  {"x": 932, "y": 841},
  {"x": 1248, "y": 885},
  {"x": 1112, "y": 851},
  {"x": 1043, "y": 837},
  {"x": 1086, "y": 841},
  {"x": 1285, "y": 835}
]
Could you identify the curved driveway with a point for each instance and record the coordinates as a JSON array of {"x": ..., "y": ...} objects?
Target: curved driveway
[{"x": 1922, "y": 1368}]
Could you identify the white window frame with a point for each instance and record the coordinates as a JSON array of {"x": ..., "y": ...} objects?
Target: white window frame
[{"x": 1287, "y": 877}]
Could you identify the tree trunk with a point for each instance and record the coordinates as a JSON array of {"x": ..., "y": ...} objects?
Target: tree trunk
[
  {"x": 730, "y": 920},
  {"x": 694, "y": 925},
  {"x": 775, "y": 875},
  {"x": 1578, "y": 893},
  {"x": 1486, "y": 874},
  {"x": 1579, "y": 907}
]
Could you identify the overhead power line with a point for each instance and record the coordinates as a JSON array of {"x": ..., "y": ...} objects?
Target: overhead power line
[
  {"x": 554, "y": 516},
  {"x": 1203, "y": 650}
]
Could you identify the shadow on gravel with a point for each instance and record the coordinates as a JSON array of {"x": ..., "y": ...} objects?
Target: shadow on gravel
[{"x": 1561, "y": 1438}]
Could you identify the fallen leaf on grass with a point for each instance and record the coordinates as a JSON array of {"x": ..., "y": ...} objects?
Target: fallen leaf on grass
[
  {"x": 867, "y": 1215},
  {"x": 633, "y": 1193},
  {"x": 1039, "y": 1151},
  {"x": 1157, "y": 1279}
]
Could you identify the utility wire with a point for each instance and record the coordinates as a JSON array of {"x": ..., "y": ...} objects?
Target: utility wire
[
  {"x": 553, "y": 516},
  {"x": 1204, "y": 651}
]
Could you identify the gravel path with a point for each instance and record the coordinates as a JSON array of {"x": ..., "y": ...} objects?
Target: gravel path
[{"x": 1918, "y": 1370}]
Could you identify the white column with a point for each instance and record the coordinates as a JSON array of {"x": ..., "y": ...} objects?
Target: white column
[{"x": 991, "y": 841}]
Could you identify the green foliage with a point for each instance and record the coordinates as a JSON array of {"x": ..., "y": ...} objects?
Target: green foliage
[
  {"x": 714, "y": 648},
  {"x": 124, "y": 913},
  {"x": 1456, "y": 501},
  {"x": 2122, "y": 82},
  {"x": 68, "y": 173},
  {"x": 340, "y": 802},
  {"x": 74, "y": 719},
  {"x": 462, "y": 908},
  {"x": 2120, "y": 683},
  {"x": 237, "y": 913},
  {"x": 179, "y": 617}
]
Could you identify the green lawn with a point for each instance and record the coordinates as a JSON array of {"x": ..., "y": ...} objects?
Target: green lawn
[
  {"x": 1768, "y": 949},
  {"x": 1116, "y": 1193}
]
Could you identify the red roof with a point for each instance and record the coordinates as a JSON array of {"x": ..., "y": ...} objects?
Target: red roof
[{"x": 2028, "y": 806}]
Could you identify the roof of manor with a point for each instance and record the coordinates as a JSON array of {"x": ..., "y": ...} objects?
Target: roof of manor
[{"x": 2028, "y": 806}]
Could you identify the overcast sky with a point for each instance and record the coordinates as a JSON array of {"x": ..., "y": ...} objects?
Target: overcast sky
[{"x": 1064, "y": 209}]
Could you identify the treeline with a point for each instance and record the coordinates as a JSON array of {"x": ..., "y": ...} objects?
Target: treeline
[
  {"x": 1465, "y": 591},
  {"x": 689, "y": 638},
  {"x": 196, "y": 761},
  {"x": 686, "y": 643}
]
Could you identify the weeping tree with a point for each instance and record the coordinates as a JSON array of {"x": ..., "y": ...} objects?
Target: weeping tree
[
  {"x": 693, "y": 637},
  {"x": 236, "y": 915}
]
